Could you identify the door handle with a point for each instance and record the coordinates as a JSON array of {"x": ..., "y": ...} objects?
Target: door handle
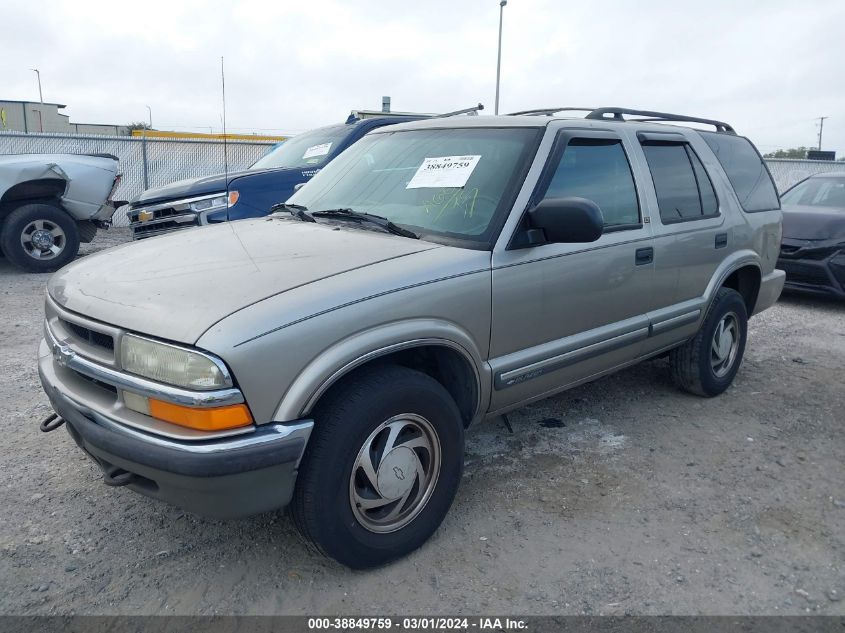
[
  {"x": 644, "y": 256},
  {"x": 721, "y": 240}
]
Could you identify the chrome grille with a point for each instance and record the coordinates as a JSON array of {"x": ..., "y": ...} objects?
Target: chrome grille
[
  {"x": 86, "y": 337},
  {"x": 149, "y": 229},
  {"x": 91, "y": 336},
  {"x": 147, "y": 220}
]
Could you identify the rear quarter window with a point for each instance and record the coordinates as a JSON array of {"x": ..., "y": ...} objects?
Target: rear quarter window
[{"x": 746, "y": 171}]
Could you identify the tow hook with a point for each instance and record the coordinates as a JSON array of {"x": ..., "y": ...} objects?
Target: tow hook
[
  {"x": 51, "y": 423},
  {"x": 116, "y": 477}
]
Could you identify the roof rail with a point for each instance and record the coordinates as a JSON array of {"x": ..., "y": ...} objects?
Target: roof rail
[
  {"x": 472, "y": 111},
  {"x": 549, "y": 111},
  {"x": 599, "y": 113}
]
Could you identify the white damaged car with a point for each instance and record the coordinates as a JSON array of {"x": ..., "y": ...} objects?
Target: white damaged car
[{"x": 49, "y": 203}]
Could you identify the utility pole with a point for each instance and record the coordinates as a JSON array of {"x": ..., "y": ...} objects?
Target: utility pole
[
  {"x": 150, "y": 112},
  {"x": 502, "y": 4},
  {"x": 821, "y": 129},
  {"x": 38, "y": 74}
]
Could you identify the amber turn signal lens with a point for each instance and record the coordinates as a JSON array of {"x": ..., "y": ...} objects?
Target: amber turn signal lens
[{"x": 211, "y": 419}]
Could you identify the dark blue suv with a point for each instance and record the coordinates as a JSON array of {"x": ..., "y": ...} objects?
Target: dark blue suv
[{"x": 249, "y": 193}]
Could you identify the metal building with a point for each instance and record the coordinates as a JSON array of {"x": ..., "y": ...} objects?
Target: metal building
[{"x": 36, "y": 117}]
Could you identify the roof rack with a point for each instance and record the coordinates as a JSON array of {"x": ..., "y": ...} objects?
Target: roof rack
[
  {"x": 599, "y": 113},
  {"x": 471, "y": 111},
  {"x": 617, "y": 113},
  {"x": 549, "y": 111}
]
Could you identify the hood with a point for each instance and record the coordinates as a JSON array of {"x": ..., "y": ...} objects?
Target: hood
[
  {"x": 801, "y": 222},
  {"x": 213, "y": 184},
  {"x": 177, "y": 286}
]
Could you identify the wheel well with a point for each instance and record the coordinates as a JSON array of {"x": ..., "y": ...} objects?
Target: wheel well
[
  {"x": 46, "y": 190},
  {"x": 746, "y": 281},
  {"x": 41, "y": 189},
  {"x": 447, "y": 366}
]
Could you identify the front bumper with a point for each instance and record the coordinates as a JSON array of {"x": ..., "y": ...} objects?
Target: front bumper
[
  {"x": 221, "y": 478},
  {"x": 149, "y": 220},
  {"x": 815, "y": 267}
]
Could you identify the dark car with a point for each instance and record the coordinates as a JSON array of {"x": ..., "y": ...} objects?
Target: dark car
[
  {"x": 813, "y": 249},
  {"x": 250, "y": 193}
]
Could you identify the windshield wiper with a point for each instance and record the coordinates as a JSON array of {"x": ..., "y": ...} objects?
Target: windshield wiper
[
  {"x": 296, "y": 210},
  {"x": 356, "y": 216}
]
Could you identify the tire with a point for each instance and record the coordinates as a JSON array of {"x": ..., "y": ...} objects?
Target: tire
[
  {"x": 707, "y": 364},
  {"x": 322, "y": 508},
  {"x": 52, "y": 228}
]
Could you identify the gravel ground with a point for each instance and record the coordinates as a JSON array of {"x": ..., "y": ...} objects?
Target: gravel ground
[{"x": 621, "y": 496}]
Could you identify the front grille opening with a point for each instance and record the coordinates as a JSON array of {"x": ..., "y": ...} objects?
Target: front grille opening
[
  {"x": 157, "y": 215},
  {"x": 806, "y": 274},
  {"x": 92, "y": 337},
  {"x": 98, "y": 383},
  {"x": 140, "y": 229}
]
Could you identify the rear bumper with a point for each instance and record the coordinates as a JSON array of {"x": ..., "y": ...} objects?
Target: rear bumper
[
  {"x": 770, "y": 288},
  {"x": 222, "y": 478},
  {"x": 105, "y": 213}
]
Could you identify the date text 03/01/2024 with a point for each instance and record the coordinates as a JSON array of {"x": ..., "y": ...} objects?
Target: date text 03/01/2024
[{"x": 421, "y": 623}]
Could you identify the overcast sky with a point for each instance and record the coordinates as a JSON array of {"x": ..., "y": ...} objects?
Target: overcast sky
[{"x": 768, "y": 67}]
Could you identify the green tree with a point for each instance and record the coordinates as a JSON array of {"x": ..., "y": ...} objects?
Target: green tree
[
  {"x": 795, "y": 152},
  {"x": 138, "y": 125}
]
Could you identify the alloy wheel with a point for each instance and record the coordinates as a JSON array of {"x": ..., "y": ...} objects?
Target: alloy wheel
[{"x": 43, "y": 240}]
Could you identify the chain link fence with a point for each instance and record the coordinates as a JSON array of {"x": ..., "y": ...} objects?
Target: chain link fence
[
  {"x": 144, "y": 163},
  {"x": 786, "y": 172},
  {"x": 147, "y": 163}
]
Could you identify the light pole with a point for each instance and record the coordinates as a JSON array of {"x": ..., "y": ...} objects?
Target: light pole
[
  {"x": 821, "y": 129},
  {"x": 150, "y": 112},
  {"x": 38, "y": 74},
  {"x": 502, "y": 4}
]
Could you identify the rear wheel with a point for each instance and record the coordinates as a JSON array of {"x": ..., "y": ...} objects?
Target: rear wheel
[
  {"x": 39, "y": 238},
  {"x": 382, "y": 467},
  {"x": 706, "y": 364}
]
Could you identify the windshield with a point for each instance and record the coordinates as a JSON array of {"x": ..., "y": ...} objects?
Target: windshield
[
  {"x": 309, "y": 149},
  {"x": 450, "y": 182},
  {"x": 817, "y": 192}
]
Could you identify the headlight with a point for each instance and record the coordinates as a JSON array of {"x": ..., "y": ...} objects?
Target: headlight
[
  {"x": 172, "y": 365},
  {"x": 222, "y": 201}
]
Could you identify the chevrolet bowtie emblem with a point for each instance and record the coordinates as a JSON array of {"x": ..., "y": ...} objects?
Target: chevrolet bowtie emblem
[
  {"x": 62, "y": 354},
  {"x": 144, "y": 216}
]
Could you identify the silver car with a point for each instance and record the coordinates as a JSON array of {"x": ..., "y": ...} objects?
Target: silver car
[
  {"x": 330, "y": 356},
  {"x": 49, "y": 203}
]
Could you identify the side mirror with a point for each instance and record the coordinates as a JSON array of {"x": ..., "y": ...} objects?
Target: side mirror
[
  {"x": 298, "y": 186},
  {"x": 567, "y": 220}
]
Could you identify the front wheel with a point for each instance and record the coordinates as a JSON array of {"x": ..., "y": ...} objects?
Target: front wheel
[
  {"x": 382, "y": 467},
  {"x": 707, "y": 364},
  {"x": 39, "y": 238}
]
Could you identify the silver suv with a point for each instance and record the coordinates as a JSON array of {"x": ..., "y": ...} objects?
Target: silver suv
[{"x": 330, "y": 356}]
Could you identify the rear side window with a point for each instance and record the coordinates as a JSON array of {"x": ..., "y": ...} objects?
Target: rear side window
[
  {"x": 684, "y": 191},
  {"x": 598, "y": 170},
  {"x": 746, "y": 171}
]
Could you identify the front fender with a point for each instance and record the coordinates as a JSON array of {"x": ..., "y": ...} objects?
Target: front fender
[{"x": 362, "y": 347}]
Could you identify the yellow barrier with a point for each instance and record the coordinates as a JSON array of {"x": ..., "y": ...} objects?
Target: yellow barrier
[{"x": 211, "y": 137}]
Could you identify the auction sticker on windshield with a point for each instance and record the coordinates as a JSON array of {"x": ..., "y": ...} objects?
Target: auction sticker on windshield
[
  {"x": 444, "y": 171},
  {"x": 317, "y": 150}
]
